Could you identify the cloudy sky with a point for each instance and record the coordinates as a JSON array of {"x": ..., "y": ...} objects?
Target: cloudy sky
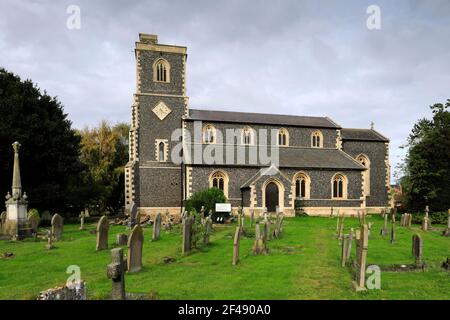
[{"x": 290, "y": 57}]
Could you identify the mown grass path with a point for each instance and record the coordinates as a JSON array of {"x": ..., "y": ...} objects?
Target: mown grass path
[{"x": 302, "y": 264}]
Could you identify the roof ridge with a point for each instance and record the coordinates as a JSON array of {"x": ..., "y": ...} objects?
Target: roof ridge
[{"x": 274, "y": 114}]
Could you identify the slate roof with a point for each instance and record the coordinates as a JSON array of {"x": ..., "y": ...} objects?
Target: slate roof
[
  {"x": 261, "y": 118},
  {"x": 362, "y": 135},
  {"x": 291, "y": 157}
]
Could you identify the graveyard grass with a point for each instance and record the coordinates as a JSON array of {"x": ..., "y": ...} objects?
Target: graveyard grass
[{"x": 303, "y": 264}]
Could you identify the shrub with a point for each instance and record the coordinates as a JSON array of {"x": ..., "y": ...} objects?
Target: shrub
[
  {"x": 298, "y": 207},
  {"x": 206, "y": 198}
]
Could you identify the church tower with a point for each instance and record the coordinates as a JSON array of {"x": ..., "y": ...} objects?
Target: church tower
[{"x": 153, "y": 181}]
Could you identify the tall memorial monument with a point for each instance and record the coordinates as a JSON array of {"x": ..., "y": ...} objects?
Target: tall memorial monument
[{"x": 16, "y": 223}]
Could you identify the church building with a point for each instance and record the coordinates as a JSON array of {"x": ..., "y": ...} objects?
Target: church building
[{"x": 260, "y": 161}]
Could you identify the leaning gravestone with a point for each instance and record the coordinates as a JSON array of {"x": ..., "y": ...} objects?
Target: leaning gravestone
[
  {"x": 187, "y": 235},
  {"x": 34, "y": 219},
  {"x": 57, "y": 226},
  {"x": 392, "y": 232},
  {"x": 157, "y": 227},
  {"x": 82, "y": 220},
  {"x": 236, "y": 243},
  {"x": 360, "y": 281},
  {"x": 135, "y": 243},
  {"x": 102, "y": 233},
  {"x": 116, "y": 272}
]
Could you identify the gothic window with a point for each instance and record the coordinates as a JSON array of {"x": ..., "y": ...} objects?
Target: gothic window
[
  {"x": 161, "y": 151},
  {"x": 283, "y": 137},
  {"x": 219, "y": 180},
  {"x": 209, "y": 134},
  {"x": 339, "y": 186},
  {"x": 161, "y": 71},
  {"x": 302, "y": 185},
  {"x": 247, "y": 136},
  {"x": 317, "y": 139},
  {"x": 364, "y": 160}
]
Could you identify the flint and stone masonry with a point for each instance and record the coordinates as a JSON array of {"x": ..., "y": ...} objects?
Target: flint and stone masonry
[{"x": 315, "y": 150}]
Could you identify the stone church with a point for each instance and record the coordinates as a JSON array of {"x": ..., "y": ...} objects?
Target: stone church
[{"x": 176, "y": 151}]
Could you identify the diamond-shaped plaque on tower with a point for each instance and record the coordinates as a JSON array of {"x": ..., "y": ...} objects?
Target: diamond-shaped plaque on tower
[{"x": 161, "y": 110}]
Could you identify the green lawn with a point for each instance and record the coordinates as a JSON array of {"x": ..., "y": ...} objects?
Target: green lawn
[{"x": 303, "y": 264}]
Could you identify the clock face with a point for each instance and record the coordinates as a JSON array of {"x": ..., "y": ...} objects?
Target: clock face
[{"x": 161, "y": 110}]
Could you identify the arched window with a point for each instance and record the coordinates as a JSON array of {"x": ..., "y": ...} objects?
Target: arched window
[
  {"x": 219, "y": 180},
  {"x": 302, "y": 184},
  {"x": 247, "y": 136},
  {"x": 339, "y": 186},
  {"x": 161, "y": 151},
  {"x": 209, "y": 134},
  {"x": 364, "y": 160},
  {"x": 161, "y": 71},
  {"x": 283, "y": 137},
  {"x": 317, "y": 139}
]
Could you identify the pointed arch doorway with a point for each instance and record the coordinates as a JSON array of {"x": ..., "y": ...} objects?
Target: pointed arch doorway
[{"x": 271, "y": 196}]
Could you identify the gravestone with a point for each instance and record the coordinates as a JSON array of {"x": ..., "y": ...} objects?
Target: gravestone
[
  {"x": 116, "y": 272},
  {"x": 426, "y": 220},
  {"x": 384, "y": 231},
  {"x": 34, "y": 219},
  {"x": 252, "y": 217},
  {"x": 241, "y": 220},
  {"x": 157, "y": 227},
  {"x": 102, "y": 234},
  {"x": 208, "y": 230},
  {"x": 344, "y": 248},
  {"x": 359, "y": 283},
  {"x": 417, "y": 249},
  {"x": 349, "y": 245},
  {"x": 82, "y": 220},
  {"x": 49, "y": 240},
  {"x": 135, "y": 243},
  {"x": 369, "y": 227},
  {"x": 358, "y": 244},
  {"x": 168, "y": 221},
  {"x": 122, "y": 239},
  {"x": 236, "y": 243},
  {"x": 186, "y": 244},
  {"x": 2, "y": 221},
  {"x": 69, "y": 292},
  {"x": 259, "y": 246},
  {"x": 57, "y": 226},
  {"x": 446, "y": 232},
  {"x": 392, "y": 231}
]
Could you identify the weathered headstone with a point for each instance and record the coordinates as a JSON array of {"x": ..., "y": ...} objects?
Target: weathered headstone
[
  {"x": 344, "y": 248},
  {"x": 384, "y": 231},
  {"x": 34, "y": 219},
  {"x": 426, "y": 220},
  {"x": 135, "y": 244},
  {"x": 417, "y": 249},
  {"x": 70, "y": 292},
  {"x": 102, "y": 234},
  {"x": 157, "y": 227},
  {"x": 236, "y": 244},
  {"x": 447, "y": 231},
  {"x": 369, "y": 227},
  {"x": 359, "y": 283},
  {"x": 82, "y": 215},
  {"x": 259, "y": 246},
  {"x": 57, "y": 226},
  {"x": 358, "y": 244},
  {"x": 116, "y": 272},
  {"x": 49, "y": 240},
  {"x": 208, "y": 230},
  {"x": 187, "y": 235},
  {"x": 392, "y": 231},
  {"x": 121, "y": 239}
]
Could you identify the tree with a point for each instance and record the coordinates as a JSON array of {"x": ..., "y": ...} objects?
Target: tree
[
  {"x": 49, "y": 156},
  {"x": 427, "y": 166},
  {"x": 104, "y": 153}
]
